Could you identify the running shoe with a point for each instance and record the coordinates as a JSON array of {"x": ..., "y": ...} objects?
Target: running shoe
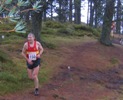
[{"x": 36, "y": 92}]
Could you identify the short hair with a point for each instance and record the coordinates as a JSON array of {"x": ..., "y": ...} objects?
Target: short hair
[{"x": 31, "y": 34}]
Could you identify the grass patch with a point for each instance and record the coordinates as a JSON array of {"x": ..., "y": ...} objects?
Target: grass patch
[
  {"x": 53, "y": 27},
  {"x": 13, "y": 74},
  {"x": 12, "y": 39},
  {"x": 53, "y": 24},
  {"x": 114, "y": 61},
  {"x": 9, "y": 76},
  {"x": 56, "y": 41}
]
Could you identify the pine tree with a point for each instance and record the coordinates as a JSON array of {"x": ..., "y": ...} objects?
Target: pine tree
[
  {"x": 19, "y": 11},
  {"x": 109, "y": 11}
]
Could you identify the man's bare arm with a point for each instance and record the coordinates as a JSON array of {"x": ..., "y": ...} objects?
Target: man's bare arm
[
  {"x": 40, "y": 48},
  {"x": 24, "y": 51}
]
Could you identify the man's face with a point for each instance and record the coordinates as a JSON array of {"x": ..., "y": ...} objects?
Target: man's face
[{"x": 30, "y": 38}]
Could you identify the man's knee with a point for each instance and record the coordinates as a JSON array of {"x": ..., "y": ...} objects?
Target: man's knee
[
  {"x": 34, "y": 76},
  {"x": 30, "y": 77}
]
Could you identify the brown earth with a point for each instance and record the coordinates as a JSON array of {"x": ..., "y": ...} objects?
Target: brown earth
[{"x": 90, "y": 71}]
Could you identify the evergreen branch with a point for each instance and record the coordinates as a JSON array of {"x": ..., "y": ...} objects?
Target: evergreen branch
[
  {"x": 8, "y": 31},
  {"x": 26, "y": 10},
  {"x": 20, "y": 27},
  {"x": 1, "y": 9},
  {"x": 37, "y": 6},
  {"x": 8, "y": 1},
  {"x": 6, "y": 8},
  {"x": 7, "y": 17},
  {"x": 3, "y": 2},
  {"x": 14, "y": 19},
  {"x": 23, "y": 3}
]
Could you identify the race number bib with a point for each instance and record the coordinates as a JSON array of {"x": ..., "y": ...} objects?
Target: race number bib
[{"x": 32, "y": 55}]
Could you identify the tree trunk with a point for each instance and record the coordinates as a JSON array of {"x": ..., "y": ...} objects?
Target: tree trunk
[
  {"x": 27, "y": 14},
  {"x": 88, "y": 13},
  {"x": 77, "y": 17},
  {"x": 70, "y": 12},
  {"x": 51, "y": 10},
  {"x": 95, "y": 18},
  {"x": 96, "y": 7},
  {"x": 91, "y": 14},
  {"x": 44, "y": 10},
  {"x": 118, "y": 23},
  {"x": 60, "y": 12},
  {"x": 44, "y": 15},
  {"x": 109, "y": 10},
  {"x": 36, "y": 25}
]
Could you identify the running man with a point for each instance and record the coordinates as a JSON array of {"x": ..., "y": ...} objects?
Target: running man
[
  {"x": 32, "y": 51},
  {"x": 113, "y": 29}
]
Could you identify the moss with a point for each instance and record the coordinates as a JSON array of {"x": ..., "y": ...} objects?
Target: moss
[{"x": 53, "y": 24}]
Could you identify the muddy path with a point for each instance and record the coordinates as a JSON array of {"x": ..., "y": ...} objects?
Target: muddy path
[{"x": 91, "y": 71}]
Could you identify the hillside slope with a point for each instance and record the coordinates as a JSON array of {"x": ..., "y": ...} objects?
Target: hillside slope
[{"x": 86, "y": 71}]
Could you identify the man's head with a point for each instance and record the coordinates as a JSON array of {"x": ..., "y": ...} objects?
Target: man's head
[
  {"x": 31, "y": 37},
  {"x": 113, "y": 23}
]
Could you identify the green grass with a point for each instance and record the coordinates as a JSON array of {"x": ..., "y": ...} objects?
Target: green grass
[
  {"x": 114, "y": 60},
  {"x": 9, "y": 74},
  {"x": 52, "y": 27},
  {"x": 55, "y": 41},
  {"x": 12, "y": 39},
  {"x": 13, "y": 74}
]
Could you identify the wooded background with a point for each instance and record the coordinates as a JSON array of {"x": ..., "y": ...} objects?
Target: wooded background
[{"x": 100, "y": 14}]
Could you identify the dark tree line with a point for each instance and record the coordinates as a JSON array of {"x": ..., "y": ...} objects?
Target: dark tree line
[
  {"x": 101, "y": 13},
  {"x": 70, "y": 11},
  {"x": 65, "y": 10}
]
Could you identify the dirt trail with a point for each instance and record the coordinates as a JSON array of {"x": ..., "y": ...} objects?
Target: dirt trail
[{"x": 91, "y": 72}]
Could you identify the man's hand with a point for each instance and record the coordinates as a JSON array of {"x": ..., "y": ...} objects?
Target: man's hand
[
  {"x": 30, "y": 62},
  {"x": 38, "y": 56}
]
